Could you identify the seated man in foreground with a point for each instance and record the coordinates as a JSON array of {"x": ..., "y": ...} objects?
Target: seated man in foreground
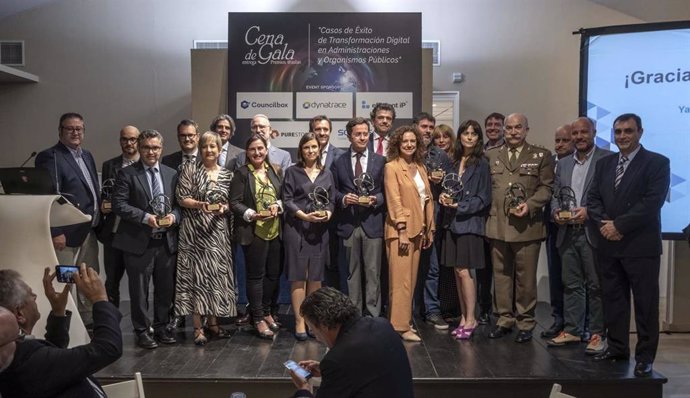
[
  {"x": 46, "y": 368},
  {"x": 366, "y": 357}
]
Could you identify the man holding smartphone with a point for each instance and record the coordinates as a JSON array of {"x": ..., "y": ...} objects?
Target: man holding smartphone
[{"x": 352, "y": 340}]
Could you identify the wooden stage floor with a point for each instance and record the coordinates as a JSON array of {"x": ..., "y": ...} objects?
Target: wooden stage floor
[{"x": 441, "y": 366}]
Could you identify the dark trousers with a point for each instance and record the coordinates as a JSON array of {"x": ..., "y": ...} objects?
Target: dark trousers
[
  {"x": 262, "y": 262},
  {"x": 332, "y": 274},
  {"x": 484, "y": 279},
  {"x": 620, "y": 276},
  {"x": 114, "y": 264},
  {"x": 555, "y": 273},
  {"x": 426, "y": 300},
  {"x": 156, "y": 262}
]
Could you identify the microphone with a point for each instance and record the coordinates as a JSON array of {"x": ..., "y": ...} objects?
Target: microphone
[{"x": 29, "y": 158}]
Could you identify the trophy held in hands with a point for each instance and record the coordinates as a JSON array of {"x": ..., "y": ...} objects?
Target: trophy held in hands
[
  {"x": 364, "y": 184},
  {"x": 452, "y": 188},
  {"x": 515, "y": 196},
  {"x": 319, "y": 201},
  {"x": 162, "y": 206}
]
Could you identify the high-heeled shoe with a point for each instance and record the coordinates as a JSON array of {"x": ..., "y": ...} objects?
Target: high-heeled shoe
[
  {"x": 264, "y": 332},
  {"x": 272, "y": 324},
  {"x": 199, "y": 337},
  {"x": 457, "y": 330},
  {"x": 410, "y": 336},
  {"x": 218, "y": 332},
  {"x": 466, "y": 333},
  {"x": 300, "y": 336}
]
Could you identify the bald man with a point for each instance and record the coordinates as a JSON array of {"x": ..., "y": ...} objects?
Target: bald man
[
  {"x": 9, "y": 331},
  {"x": 517, "y": 229},
  {"x": 113, "y": 258}
]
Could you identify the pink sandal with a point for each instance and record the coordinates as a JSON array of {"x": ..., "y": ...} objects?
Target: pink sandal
[
  {"x": 465, "y": 333},
  {"x": 457, "y": 331}
]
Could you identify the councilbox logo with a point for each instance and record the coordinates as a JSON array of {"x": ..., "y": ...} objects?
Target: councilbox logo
[
  {"x": 323, "y": 105},
  {"x": 244, "y": 104},
  {"x": 256, "y": 104}
]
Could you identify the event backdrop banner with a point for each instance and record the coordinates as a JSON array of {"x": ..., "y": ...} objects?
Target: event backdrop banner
[{"x": 293, "y": 66}]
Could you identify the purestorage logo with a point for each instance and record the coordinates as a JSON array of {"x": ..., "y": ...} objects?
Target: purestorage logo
[{"x": 277, "y": 105}]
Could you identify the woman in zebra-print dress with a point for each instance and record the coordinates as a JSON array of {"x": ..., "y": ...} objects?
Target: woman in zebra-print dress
[{"x": 205, "y": 284}]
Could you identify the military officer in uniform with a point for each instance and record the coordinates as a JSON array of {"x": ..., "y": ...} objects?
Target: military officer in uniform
[{"x": 522, "y": 178}]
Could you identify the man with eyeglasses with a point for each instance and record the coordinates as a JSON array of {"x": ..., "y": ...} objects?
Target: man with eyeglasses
[
  {"x": 47, "y": 368},
  {"x": 74, "y": 174},
  {"x": 148, "y": 238},
  {"x": 262, "y": 126},
  {"x": 113, "y": 260},
  {"x": 188, "y": 137}
]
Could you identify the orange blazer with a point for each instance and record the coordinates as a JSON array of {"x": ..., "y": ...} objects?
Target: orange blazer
[{"x": 403, "y": 201}]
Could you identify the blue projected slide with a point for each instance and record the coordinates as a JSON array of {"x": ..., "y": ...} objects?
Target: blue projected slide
[{"x": 647, "y": 73}]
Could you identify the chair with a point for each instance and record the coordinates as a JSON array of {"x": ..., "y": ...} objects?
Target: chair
[
  {"x": 556, "y": 392},
  {"x": 126, "y": 389}
]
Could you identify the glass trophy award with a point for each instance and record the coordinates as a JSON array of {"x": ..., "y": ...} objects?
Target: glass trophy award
[
  {"x": 452, "y": 188},
  {"x": 566, "y": 203},
  {"x": 319, "y": 201},
  {"x": 107, "y": 189},
  {"x": 364, "y": 185},
  {"x": 162, "y": 206},
  {"x": 515, "y": 196},
  {"x": 266, "y": 199},
  {"x": 433, "y": 164},
  {"x": 213, "y": 197}
]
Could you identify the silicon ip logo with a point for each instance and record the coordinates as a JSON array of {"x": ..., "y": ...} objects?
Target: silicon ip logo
[
  {"x": 244, "y": 104},
  {"x": 365, "y": 105}
]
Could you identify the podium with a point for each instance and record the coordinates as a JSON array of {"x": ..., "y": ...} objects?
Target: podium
[{"x": 27, "y": 247}]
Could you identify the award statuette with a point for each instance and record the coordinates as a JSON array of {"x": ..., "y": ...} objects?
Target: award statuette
[
  {"x": 213, "y": 197},
  {"x": 364, "y": 184},
  {"x": 107, "y": 193},
  {"x": 161, "y": 206},
  {"x": 433, "y": 164},
  {"x": 515, "y": 196},
  {"x": 319, "y": 201},
  {"x": 266, "y": 200},
  {"x": 452, "y": 188},
  {"x": 566, "y": 203}
]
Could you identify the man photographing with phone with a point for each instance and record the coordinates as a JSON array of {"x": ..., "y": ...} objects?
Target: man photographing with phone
[
  {"x": 47, "y": 368},
  {"x": 366, "y": 357}
]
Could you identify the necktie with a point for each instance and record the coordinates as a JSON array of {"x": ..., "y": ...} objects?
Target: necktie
[
  {"x": 513, "y": 157},
  {"x": 379, "y": 147},
  {"x": 155, "y": 187},
  {"x": 358, "y": 165},
  {"x": 221, "y": 158},
  {"x": 619, "y": 171},
  {"x": 188, "y": 158}
]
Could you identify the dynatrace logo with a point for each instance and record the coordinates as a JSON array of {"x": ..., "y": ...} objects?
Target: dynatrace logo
[
  {"x": 641, "y": 77},
  {"x": 244, "y": 104}
]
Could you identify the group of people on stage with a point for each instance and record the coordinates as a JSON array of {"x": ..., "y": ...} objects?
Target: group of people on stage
[{"x": 396, "y": 204}]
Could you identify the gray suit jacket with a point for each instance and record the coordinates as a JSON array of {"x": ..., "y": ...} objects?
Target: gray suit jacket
[
  {"x": 234, "y": 158},
  {"x": 276, "y": 156},
  {"x": 564, "y": 176}
]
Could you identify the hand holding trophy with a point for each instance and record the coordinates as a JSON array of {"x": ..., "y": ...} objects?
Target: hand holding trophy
[
  {"x": 214, "y": 197},
  {"x": 566, "y": 203},
  {"x": 107, "y": 193},
  {"x": 452, "y": 189},
  {"x": 364, "y": 185},
  {"x": 433, "y": 164},
  {"x": 267, "y": 199},
  {"x": 162, "y": 207},
  {"x": 319, "y": 201},
  {"x": 515, "y": 196}
]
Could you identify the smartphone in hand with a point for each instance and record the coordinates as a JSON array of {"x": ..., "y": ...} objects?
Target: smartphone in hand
[
  {"x": 65, "y": 273},
  {"x": 299, "y": 371}
]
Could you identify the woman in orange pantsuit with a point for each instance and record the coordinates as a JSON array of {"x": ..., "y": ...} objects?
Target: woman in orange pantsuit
[{"x": 409, "y": 224}]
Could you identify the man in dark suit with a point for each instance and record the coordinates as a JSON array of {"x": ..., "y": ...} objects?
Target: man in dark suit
[
  {"x": 113, "y": 259},
  {"x": 188, "y": 137},
  {"x": 625, "y": 201},
  {"x": 517, "y": 229},
  {"x": 47, "y": 368},
  {"x": 147, "y": 235},
  {"x": 231, "y": 157},
  {"x": 360, "y": 221},
  {"x": 366, "y": 358},
  {"x": 73, "y": 171},
  {"x": 321, "y": 126},
  {"x": 382, "y": 118},
  {"x": 575, "y": 239}
]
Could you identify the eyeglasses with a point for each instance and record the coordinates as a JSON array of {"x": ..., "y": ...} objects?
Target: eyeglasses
[
  {"x": 128, "y": 140},
  {"x": 150, "y": 148},
  {"x": 187, "y": 137},
  {"x": 71, "y": 130}
]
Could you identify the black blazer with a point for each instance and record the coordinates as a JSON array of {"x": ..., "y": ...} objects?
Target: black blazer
[
  {"x": 368, "y": 360},
  {"x": 47, "y": 368},
  {"x": 333, "y": 153},
  {"x": 635, "y": 207},
  {"x": 72, "y": 184},
  {"x": 243, "y": 197},
  {"x": 347, "y": 218},
  {"x": 109, "y": 170},
  {"x": 474, "y": 203},
  {"x": 131, "y": 201},
  {"x": 174, "y": 160}
]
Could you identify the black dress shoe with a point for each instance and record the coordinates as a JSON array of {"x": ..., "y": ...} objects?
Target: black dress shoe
[
  {"x": 484, "y": 318},
  {"x": 498, "y": 332},
  {"x": 611, "y": 356},
  {"x": 144, "y": 340},
  {"x": 175, "y": 323},
  {"x": 553, "y": 331},
  {"x": 523, "y": 336},
  {"x": 164, "y": 336},
  {"x": 643, "y": 369}
]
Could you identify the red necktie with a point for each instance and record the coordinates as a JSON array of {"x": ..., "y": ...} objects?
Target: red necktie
[
  {"x": 358, "y": 165},
  {"x": 379, "y": 147}
]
